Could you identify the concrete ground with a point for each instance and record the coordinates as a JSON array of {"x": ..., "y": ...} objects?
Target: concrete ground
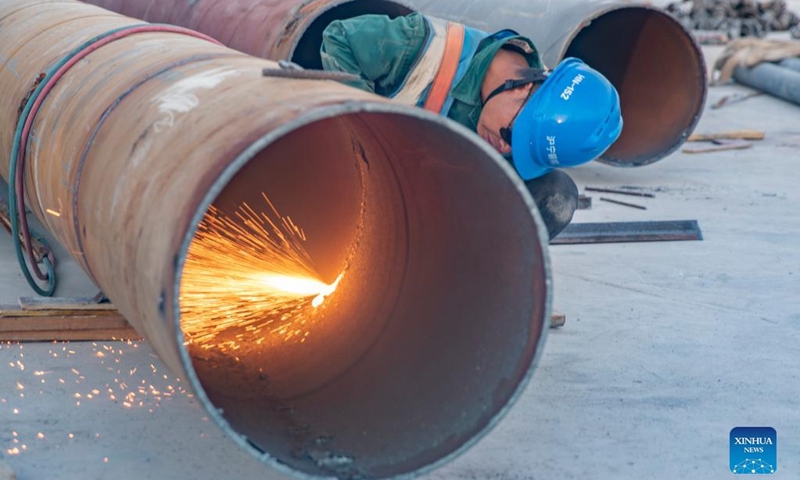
[{"x": 668, "y": 346}]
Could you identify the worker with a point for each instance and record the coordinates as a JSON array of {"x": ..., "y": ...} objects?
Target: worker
[{"x": 495, "y": 85}]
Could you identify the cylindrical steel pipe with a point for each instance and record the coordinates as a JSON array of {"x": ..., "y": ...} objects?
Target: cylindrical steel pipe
[
  {"x": 791, "y": 63},
  {"x": 433, "y": 330},
  {"x": 273, "y": 29},
  {"x": 651, "y": 59},
  {"x": 774, "y": 79}
]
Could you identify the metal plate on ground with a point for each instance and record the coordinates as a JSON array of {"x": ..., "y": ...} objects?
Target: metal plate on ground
[{"x": 624, "y": 232}]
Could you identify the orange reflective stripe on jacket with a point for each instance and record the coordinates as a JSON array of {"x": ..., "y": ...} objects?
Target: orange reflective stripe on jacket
[{"x": 443, "y": 81}]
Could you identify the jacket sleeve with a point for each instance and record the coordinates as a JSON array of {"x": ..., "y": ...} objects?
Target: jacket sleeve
[{"x": 378, "y": 49}]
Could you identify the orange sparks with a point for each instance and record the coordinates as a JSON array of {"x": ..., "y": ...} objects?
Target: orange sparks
[{"x": 248, "y": 271}]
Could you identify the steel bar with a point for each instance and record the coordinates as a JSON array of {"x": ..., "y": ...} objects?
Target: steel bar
[
  {"x": 273, "y": 29},
  {"x": 432, "y": 333},
  {"x": 624, "y": 232},
  {"x": 733, "y": 98},
  {"x": 620, "y": 192},
  {"x": 791, "y": 63},
  {"x": 728, "y": 135},
  {"x": 624, "y": 204},
  {"x": 773, "y": 79},
  {"x": 653, "y": 61}
]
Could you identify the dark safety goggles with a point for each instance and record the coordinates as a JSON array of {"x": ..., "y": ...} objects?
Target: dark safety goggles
[{"x": 538, "y": 77}]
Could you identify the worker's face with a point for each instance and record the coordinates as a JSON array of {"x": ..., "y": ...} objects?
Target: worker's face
[{"x": 498, "y": 113}]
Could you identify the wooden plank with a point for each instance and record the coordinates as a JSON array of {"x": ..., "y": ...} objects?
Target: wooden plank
[
  {"x": 731, "y": 135},
  {"x": 63, "y": 323},
  {"x": 64, "y": 303},
  {"x": 76, "y": 336},
  {"x": 14, "y": 311},
  {"x": 558, "y": 320},
  {"x": 41, "y": 326}
]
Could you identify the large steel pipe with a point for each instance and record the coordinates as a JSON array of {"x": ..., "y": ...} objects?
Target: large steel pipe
[
  {"x": 791, "y": 63},
  {"x": 653, "y": 61},
  {"x": 273, "y": 29},
  {"x": 444, "y": 290}
]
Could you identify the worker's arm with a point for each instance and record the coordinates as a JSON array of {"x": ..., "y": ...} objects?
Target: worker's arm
[{"x": 379, "y": 50}]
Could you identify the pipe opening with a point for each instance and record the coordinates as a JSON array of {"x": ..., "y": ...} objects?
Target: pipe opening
[
  {"x": 659, "y": 72},
  {"x": 429, "y": 333},
  {"x": 306, "y": 54}
]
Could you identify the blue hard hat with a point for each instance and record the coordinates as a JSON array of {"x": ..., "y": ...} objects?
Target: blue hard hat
[{"x": 570, "y": 120}]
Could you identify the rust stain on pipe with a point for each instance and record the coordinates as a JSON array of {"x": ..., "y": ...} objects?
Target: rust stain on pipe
[
  {"x": 433, "y": 332},
  {"x": 274, "y": 29}
]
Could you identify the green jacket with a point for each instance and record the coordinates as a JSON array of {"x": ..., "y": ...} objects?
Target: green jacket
[{"x": 383, "y": 52}]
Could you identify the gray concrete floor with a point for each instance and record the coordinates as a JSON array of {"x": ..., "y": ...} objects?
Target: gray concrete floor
[{"x": 668, "y": 346}]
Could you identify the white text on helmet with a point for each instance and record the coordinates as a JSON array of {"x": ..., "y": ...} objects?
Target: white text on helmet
[
  {"x": 567, "y": 93},
  {"x": 552, "y": 152}
]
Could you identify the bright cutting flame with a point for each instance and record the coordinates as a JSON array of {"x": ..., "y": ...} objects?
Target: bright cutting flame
[
  {"x": 300, "y": 286},
  {"x": 249, "y": 272},
  {"x": 326, "y": 292}
]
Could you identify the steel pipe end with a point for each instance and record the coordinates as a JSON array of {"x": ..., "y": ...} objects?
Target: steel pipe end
[
  {"x": 659, "y": 71},
  {"x": 439, "y": 315},
  {"x": 305, "y": 51}
]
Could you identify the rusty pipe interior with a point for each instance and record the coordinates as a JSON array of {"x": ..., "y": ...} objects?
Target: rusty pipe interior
[
  {"x": 659, "y": 72},
  {"x": 306, "y": 52},
  {"x": 444, "y": 296},
  {"x": 368, "y": 385}
]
